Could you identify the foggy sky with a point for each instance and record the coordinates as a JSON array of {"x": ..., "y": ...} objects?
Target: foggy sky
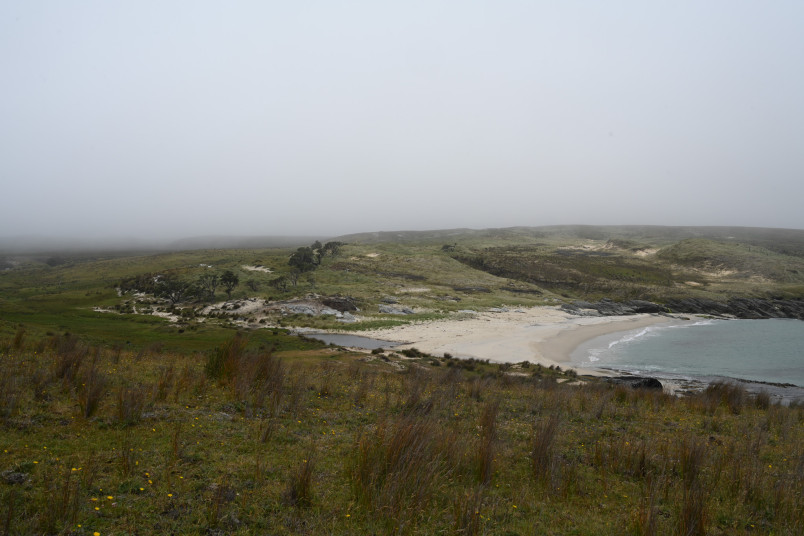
[{"x": 170, "y": 119}]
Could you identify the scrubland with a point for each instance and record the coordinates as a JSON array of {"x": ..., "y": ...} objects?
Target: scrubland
[
  {"x": 248, "y": 439},
  {"x": 114, "y": 420}
]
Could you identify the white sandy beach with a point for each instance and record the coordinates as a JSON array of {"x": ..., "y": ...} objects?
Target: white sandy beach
[{"x": 544, "y": 335}]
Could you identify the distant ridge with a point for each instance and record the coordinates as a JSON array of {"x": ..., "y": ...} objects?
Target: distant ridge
[{"x": 789, "y": 241}]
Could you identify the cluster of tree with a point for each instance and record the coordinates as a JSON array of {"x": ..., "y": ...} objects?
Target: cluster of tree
[
  {"x": 305, "y": 260},
  {"x": 177, "y": 290}
]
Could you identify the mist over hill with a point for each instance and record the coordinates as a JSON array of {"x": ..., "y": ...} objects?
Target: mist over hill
[
  {"x": 787, "y": 241},
  {"x": 54, "y": 244}
]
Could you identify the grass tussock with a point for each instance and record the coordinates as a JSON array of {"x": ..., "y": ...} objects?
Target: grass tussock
[{"x": 246, "y": 440}]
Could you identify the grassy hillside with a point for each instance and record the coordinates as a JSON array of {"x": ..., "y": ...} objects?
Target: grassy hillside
[
  {"x": 245, "y": 440},
  {"x": 649, "y": 263},
  {"x": 124, "y": 413},
  {"x": 432, "y": 273}
]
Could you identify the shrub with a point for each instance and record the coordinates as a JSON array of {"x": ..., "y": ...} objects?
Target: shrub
[
  {"x": 223, "y": 362},
  {"x": 412, "y": 352}
]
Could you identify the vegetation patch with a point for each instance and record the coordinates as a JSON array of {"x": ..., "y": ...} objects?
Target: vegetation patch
[{"x": 244, "y": 439}]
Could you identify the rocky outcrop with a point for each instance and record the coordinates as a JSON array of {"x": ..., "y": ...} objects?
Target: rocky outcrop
[
  {"x": 300, "y": 309},
  {"x": 347, "y": 318},
  {"x": 637, "y": 382},
  {"x": 748, "y": 308},
  {"x": 340, "y": 304},
  {"x": 391, "y": 310},
  {"x": 607, "y": 307},
  {"x": 311, "y": 309}
]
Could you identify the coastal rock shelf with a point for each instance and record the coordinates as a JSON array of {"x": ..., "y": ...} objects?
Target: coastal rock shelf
[{"x": 745, "y": 308}]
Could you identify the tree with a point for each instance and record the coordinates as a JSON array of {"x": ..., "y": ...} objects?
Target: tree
[
  {"x": 229, "y": 280},
  {"x": 280, "y": 283},
  {"x": 303, "y": 260},
  {"x": 318, "y": 251},
  {"x": 208, "y": 283},
  {"x": 172, "y": 289},
  {"x": 332, "y": 248},
  {"x": 293, "y": 276}
]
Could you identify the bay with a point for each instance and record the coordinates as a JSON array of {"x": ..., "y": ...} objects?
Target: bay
[{"x": 769, "y": 351}]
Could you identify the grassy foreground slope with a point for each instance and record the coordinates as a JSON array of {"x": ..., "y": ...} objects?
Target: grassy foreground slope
[{"x": 246, "y": 440}]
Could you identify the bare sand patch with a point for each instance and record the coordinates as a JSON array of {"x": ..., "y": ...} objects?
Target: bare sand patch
[
  {"x": 252, "y": 268},
  {"x": 413, "y": 290},
  {"x": 544, "y": 335},
  {"x": 645, "y": 252}
]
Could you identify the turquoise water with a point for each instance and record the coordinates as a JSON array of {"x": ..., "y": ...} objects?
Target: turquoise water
[{"x": 754, "y": 350}]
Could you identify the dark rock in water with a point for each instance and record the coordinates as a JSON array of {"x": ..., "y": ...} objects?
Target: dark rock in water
[{"x": 637, "y": 382}]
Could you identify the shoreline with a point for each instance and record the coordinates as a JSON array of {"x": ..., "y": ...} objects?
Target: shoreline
[
  {"x": 545, "y": 335},
  {"x": 548, "y": 336}
]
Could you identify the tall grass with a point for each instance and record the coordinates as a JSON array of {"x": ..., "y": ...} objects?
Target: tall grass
[
  {"x": 394, "y": 447},
  {"x": 130, "y": 404},
  {"x": 543, "y": 441},
  {"x": 93, "y": 387},
  {"x": 485, "y": 453},
  {"x": 398, "y": 465},
  {"x": 692, "y": 519},
  {"x": 299, "y": 489}
]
